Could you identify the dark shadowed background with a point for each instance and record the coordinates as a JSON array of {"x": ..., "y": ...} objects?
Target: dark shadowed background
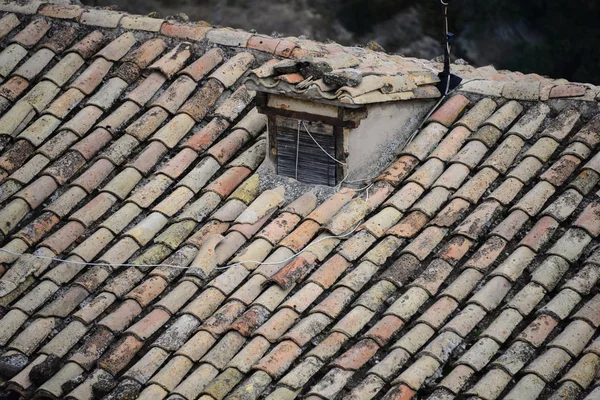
[{"x": 551, "y": 37}]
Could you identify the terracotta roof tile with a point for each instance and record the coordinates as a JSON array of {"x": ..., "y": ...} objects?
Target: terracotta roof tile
[
  {"x": 351, "y": 279},
  {"x": 449, "y": 112}
]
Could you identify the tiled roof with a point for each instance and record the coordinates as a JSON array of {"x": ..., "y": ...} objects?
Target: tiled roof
[{"x": 132, "y": 140}]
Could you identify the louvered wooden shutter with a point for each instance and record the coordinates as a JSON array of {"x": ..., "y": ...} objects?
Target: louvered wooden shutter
[{"x": 314, "y": 166}]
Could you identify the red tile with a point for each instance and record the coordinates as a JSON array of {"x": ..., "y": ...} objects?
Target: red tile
[
  {"x": 384, "y": 329},
  {"x": 300, "y": 237},
  {"x": 202, "y": 66},
  {"x": 537, "y": 331},
  {"x": 399, "y": 170},
  {"x": 145, "y": 327},
  {"x": 92, "y": 143},
  {"x": 247, "y": 323},
  {"x": 93, "y": 176},
  {"x": 567, "y": 91},
  {"x": 589, "y": 219},
  {"x": 37, "y": 229},
  {"x": 89, "y": 45},
  {"x": 225, "y": 184},
  {"x": 450, "y": 110},
  {"x": 357, "y": 356},
  {"x": 294, "y": 271},
  {"x": 276, "y": 362},
  {"x": 330, "y": 271},
  {"x": 64, "y": 237},
  {"x": 400, "y": 392},
  {"x": 540, "y": 234},
  {"x": 455, "y": 249},
  {"x": 263, "y": 43},
  {"x": 13, "y": 87},
  {"x": 410, "y": 225},
  {"x": 207, "y": 135},
  {"x": 222, "y": 319},
  {"x": 487, "y": 254},
  {"x": 184, "y": 31},
  {"x": 117, "y": 358},
  {"x": 292, "y": 79}
]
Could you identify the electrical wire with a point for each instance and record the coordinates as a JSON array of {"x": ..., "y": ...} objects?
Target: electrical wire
[{"x": 85, "y": 263}]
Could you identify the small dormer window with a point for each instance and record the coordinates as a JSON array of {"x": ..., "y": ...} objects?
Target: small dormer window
[{"x": 339, "y": 127}]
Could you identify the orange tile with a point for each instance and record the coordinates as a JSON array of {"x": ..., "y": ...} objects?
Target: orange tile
[
  {"x": 263, "y": 43},
  {"x": 384, "y": 329},
  {"x": 455, "y": 249},
  {"x": 399, "y": 170},
  {"x": 450, "y": 110},
  {"x": 13, "y": 87},
  {"x": 300, "y": 237},
  {"x": 409, "y": 225},
  {"x": 276, "y": 362},
  {"x": 202, "y": 66},
  {"x": 38, "y": 191},
  {"x": 198, "y": 105},
  {"x": 225, "y": 184},
  {"x": 149, "y": 324},
  {"x": 222, "y": 319},
  {"x": 117, "y": 358},
  {"x": 207, "y": 135},
  {"x": 294, "y": 271},
  {"x": 37, "y": 229},
  {"x": 64, "y": 237},
  {"x": 92, "y": 143},
  {"x": 540, "y": 234},
  {"x": 330, "y": 271},
  {"x": 149, "y": 157},
  {"x": 61, "y": 11},
  {"x": 121, "y": 317},
  {"x": 247, "y": 323},
  {"x": 184, "y": 31},
  {"x": 357, "y": 356},
  {"x": 228, "y": 146}
]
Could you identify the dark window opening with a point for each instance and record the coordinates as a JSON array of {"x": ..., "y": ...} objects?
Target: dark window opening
[{"x": 299, "y": 157}]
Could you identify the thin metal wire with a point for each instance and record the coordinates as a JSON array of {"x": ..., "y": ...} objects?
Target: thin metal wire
[
  {"x": 14, "y": 253},
  {"x": 322, "y": 149},
  {"x": 297, "y": 148}
]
